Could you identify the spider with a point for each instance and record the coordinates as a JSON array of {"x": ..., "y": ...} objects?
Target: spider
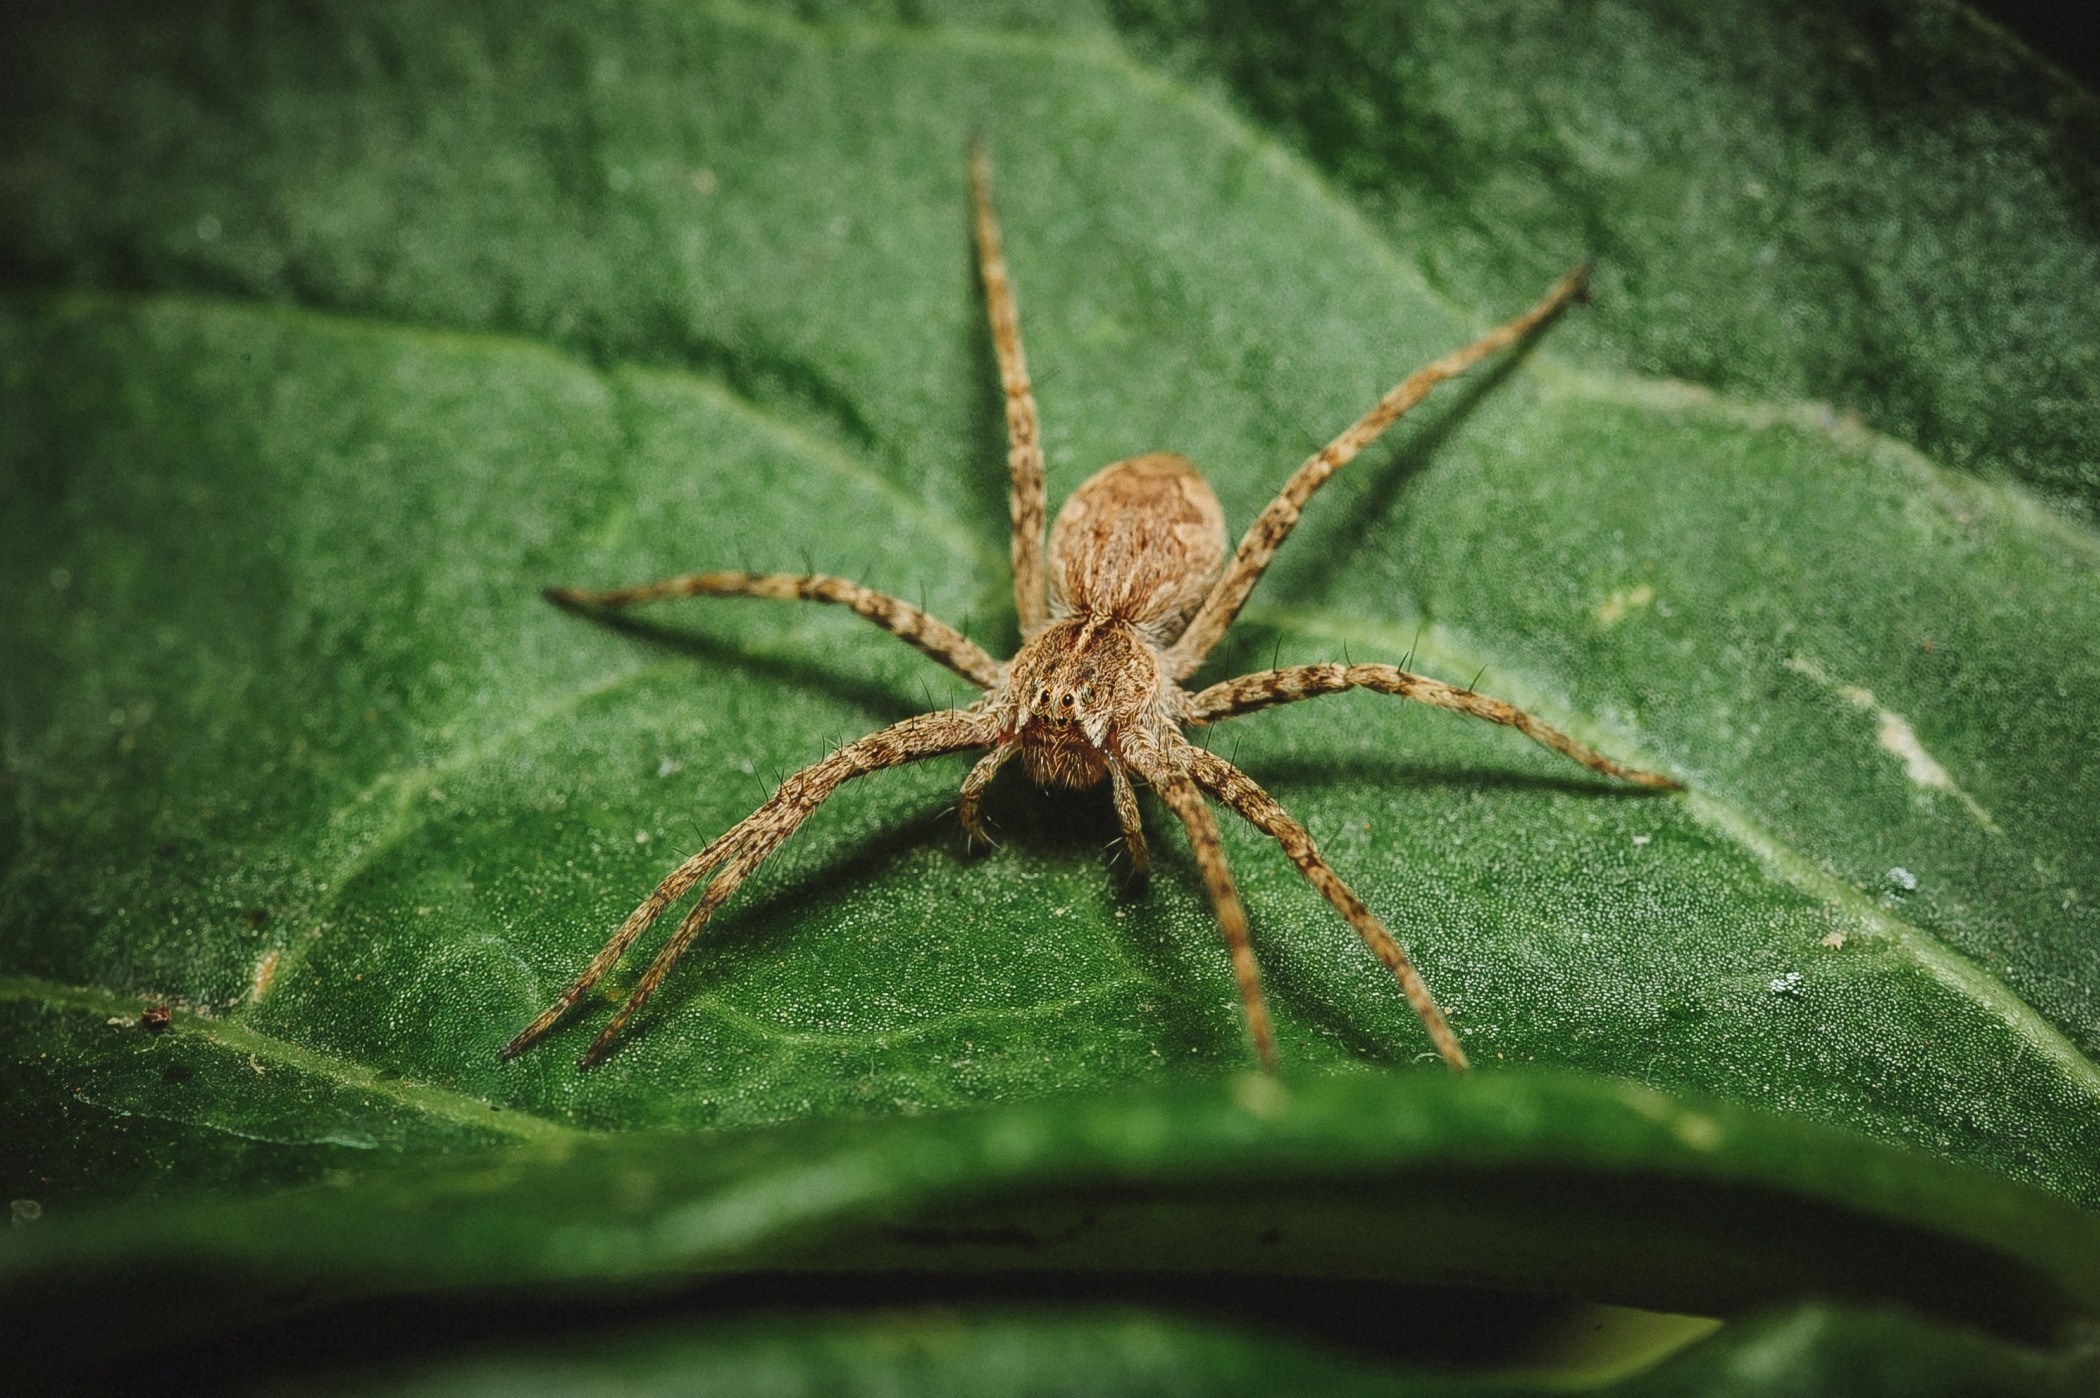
[{"x": 1128, "y": 603}]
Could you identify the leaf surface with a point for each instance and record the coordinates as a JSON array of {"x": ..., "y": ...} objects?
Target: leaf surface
[{"x": 330, "y": 340}]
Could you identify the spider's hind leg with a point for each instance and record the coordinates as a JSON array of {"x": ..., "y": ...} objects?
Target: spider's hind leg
[{"x": 1125, "y": 796}]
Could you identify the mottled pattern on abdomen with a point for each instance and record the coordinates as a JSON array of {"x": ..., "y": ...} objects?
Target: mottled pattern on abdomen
[{"x": 1139, "y": 541}]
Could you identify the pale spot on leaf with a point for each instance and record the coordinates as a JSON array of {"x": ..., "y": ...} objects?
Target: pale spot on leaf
[
  {"x": 1613, "y": 608},
  {"x": 1898, "y": 738}
]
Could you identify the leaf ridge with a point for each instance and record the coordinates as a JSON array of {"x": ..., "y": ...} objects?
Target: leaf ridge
[
  {"x": 1938, "y": 960},
  {"x": 946, "y": 525},
  {"x": 949, "y": 526},
  {"x": 437, "y": 1102},
  {"x": 1847, "y": 433},
  {"x": 404, "y": 814}
]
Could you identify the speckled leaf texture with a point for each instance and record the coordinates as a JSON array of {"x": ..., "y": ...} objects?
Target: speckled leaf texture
[{"x": 330, "y": 333}]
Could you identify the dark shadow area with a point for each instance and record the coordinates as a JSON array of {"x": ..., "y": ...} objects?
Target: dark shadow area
[
  {"x": 1051, "y": 819},
  {"x": 878, "y": 699},
  {"x": 1250, "y": 1266},
  {"x": 1396, "y": 772},
  {"x": 2063, "y": 34},
  {"x": 1398, "y": 1325}
]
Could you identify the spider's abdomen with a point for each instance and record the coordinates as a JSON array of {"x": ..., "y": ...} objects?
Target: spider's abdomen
[{"x": 1139, "y": 541}]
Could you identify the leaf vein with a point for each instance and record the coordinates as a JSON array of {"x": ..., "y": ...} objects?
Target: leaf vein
[
  {"x": 1932, "y": 955},
  {"x": 439, "y": 1103}
]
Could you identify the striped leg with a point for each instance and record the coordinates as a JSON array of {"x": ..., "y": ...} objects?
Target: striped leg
[
  {"x": 1275, "y": 523},
  {"x": 902, "y": 620},
  {"x": 1183, "y": 797},
  {"x": 748, "y": 845},
  {"x": 1127, "y": 816},
  {"x": 1239, "y": 791},
  {"x": 969, "y": 807},
  {"x": 1024, "y": 456},
  {"x": 1248, "y": 693}
]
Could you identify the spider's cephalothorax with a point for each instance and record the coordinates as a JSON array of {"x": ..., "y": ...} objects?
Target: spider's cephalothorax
[
  {"x": 1131, "y": 555},
  {"x": 1130, "y": 603}
]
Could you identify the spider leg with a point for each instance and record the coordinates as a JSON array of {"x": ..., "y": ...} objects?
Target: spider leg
[
  {"x": 1169, "y": 775},
  {"x": 1239, "y": 791},
  {"x": 1024, "y": 456},
  {"x": 1125, "y": 796},
  {"x": 1275, "y": 523},
  {"x": 680, "y": 881},
  {"x": 973, "y": 791},
  {"x": 748, "y": 844},
  {"x": 907, "y": 623},
  {"x": 1248, "y": 693}
]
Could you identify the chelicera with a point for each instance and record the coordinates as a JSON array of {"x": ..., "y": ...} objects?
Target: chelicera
[{"x": 1135, "y": 592}]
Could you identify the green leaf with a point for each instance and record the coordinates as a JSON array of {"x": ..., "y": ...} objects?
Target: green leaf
[
  {"x": 1513, "y": 1182},
  {"x": 1786, "y": 201},
  {"x": 331, "y": 336},
  {"x": 1815, "y": 1349}
]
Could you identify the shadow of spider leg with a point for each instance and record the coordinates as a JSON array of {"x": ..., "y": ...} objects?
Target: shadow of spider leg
[{"x": 736, "y": 854}]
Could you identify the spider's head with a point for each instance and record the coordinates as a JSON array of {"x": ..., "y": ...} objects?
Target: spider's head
[
  {"x": 1080, "y": 677},
  {"x": 1064, "y": 703}
]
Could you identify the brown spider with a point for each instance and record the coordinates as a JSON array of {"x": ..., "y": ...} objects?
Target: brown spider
[{"x": 1125, "y": 610}]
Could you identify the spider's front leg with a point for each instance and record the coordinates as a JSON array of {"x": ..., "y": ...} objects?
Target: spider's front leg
[
  {"x": 1266, "y": 535},
  {"x": 970, "y": 807},
  {"x": 1125, "y": 796},
  {"x": 740, "y": 851},
  {"x": 1168, "y": 773},
  {"x": 1267, "y": 688},
  {"x": 1024, "y": 456},
  {"x": 920, "y": 630},
  {"x": 1240, "y": 791}
]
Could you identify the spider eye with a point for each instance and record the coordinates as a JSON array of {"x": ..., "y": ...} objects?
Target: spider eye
[{"x": 1066, "y": 701}]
